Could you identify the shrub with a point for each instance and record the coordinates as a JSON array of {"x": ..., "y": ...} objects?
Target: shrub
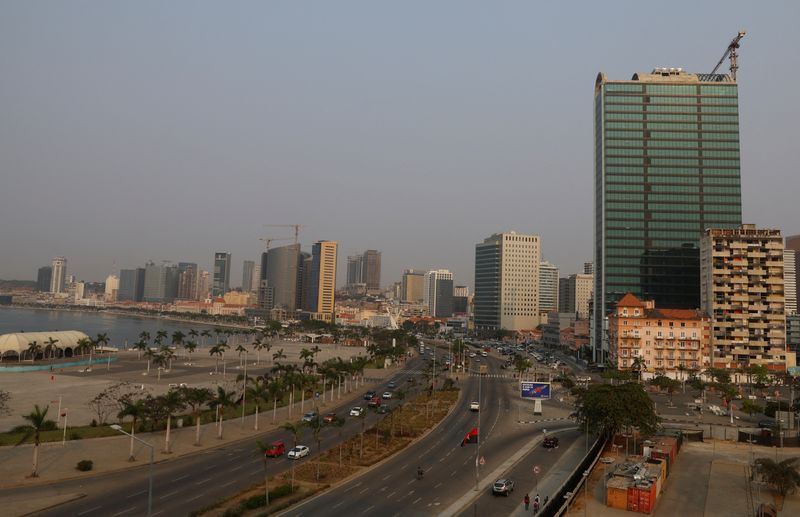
[
  {"x": 49, "y": 425},
  {"x": 253, "y": 502},
  {"x": 188, "y": 420},
  {"x": 74, "y": 435},
  {"x": 85, "y": 465},
  {"x": 94, "y": 423},
  {"x": 280, "y": 491}
]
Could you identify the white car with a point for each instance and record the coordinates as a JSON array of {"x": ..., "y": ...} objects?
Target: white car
[
  {"x": 298, "y": 452},
  {"x": 474, "y": 406},
  {"x": 386, "y": 395},
  {"x": 357, "y": 411}
]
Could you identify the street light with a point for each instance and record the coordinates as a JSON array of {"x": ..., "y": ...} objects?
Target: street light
[
  {"x": 586, "y": 492},
  {"x": 119, "y": 428}
]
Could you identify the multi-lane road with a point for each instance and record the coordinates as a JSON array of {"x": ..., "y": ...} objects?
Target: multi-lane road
[
  {"x": 392, "y": 488},
  {"x": 194, "y": 481}
]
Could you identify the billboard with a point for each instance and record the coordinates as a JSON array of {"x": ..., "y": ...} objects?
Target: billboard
[{"x": 534, "y": 390}]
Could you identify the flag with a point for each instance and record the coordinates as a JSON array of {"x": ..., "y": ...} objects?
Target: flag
[{"x": 470, "y": 437}]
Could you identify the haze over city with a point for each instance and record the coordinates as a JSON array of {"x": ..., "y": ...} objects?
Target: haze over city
[{"x": 169, "y": 131}]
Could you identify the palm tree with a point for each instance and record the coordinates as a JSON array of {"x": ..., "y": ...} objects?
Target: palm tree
[
  {"x": 339, "y": 423},
  {"x": 135, "y": 409},
  {"x": 150, "y": 354},
  {"x": 196, "y": 398},
  {"x": 223, "y": 398},
  {"x": 278, "y": 355},
  {"x": 177, "y": 338},
  {"x": 316, "y": 427},
  {"x": 140, "y": 346},
  {"x": 204, "y": 334},
  {"x": 168, "y": 354},
  {"x": 242, "y": 350},
  {"x": 33, "y": 350},
  {"x": 160, "y": 361},
  {"x": 50, "y": 345},
  {"x": 190, "y": 347},
  {"x": 218, "y": 351},
  {"x": 275, "y": 391},
  {"x": 170, "y": 402},
  {"x": 257, "y": 346},
  {"x": 193, "y": 334},
  {"x": 82, "y": 345},
  {"x": 258, "y": 392},
  {"x": 144, "y": 336},
  {"x": 36, "y": 422},
  {"x": 161, "y": 335},
  {"x": 295, "y": 428},
  {"x": 262, "y": 449},
  {"x": 638, "y": 365},
  {"x": 783, "y": 476}
]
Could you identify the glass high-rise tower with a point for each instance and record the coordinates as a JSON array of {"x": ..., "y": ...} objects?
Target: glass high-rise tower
[{"x": 666, "y": 168}]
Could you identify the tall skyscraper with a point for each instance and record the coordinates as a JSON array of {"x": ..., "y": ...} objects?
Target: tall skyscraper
[
  {"x": 247, "y": 274},
  {"x": 187, "y": 281},
  {"x": 280, "y": 269},
  {"x": 439, "y": 293},
  {"x": 256, "y": 278},
  {"x": 355, "y": 265},
  {"x": 203, "y": 285},
  {"x": 790, "y": 280},
  {"x": 507, "y": 282},
  {"x": 793, "y": 243},
  {"x": 160, "y": 283},
  {"x": 548, "y": 287},
  {"x": 412, "y": 288},
  {"x": 44, "y": 278},
  {"x": 666, "y": 168},
  {"x": 322, "y": 281},
  {"x": 222, "y": 274},
  {"x": 460, "y": 299},
  {"x": 131, "y": 285},
  {"x": 743, "y": 292},
  {"x": 371, "y": 270},
  {"x": 58, "y": 280}
]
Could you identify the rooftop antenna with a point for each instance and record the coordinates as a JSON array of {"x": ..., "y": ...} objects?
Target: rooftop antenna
[{"x": 731, "y": 51}]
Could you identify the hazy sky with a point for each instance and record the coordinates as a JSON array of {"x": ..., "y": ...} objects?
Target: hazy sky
[{"x": 169, "y": 130}]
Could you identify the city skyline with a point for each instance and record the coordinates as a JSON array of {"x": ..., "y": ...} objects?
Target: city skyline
[{"x": 451, "y": 128}]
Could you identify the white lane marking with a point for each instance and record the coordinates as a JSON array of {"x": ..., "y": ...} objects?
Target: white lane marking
[
  {"x": 90, "y": 510},
  {"x": 438, "y": 485},
  {"x": 404, "y": 466},
  {"x": 337, "y": 505},
  {"x": 384, "y": 488},
  {"x": 209, "y": 467},
  {"x": 234, "y": 469},
  {"x": 386, "y": 477},
  {"x": 169, "y": 494},
  {"x": 206, "y": 480},
  {"x": 352, "y": 487},
  {"x": 390, "y": 495},
  {"x": 410, "y": 482},
  {"x": 418, "y": 499},
  {"x": 365, "y": 490},
  {"x": 367, "y": 510},
  {"x": 125, "y": 511},
  {"x": 453, "y": 473},
  {"x": 137, "y": 493},
  {"x": 156, "y": 513},
  {"x": 194, "y": 498},
  {"x": 182, "y": 477},
  {"x": 229, "y": 483}
]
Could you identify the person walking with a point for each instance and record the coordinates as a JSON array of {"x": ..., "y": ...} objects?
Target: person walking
[
  {"x": 535, "y": 507},
  {"x": 527, "y": 501}
]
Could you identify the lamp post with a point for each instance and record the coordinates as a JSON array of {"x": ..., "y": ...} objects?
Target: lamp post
[
  {"x": 586, "y": 492},
  {"x": 478, "y": 453},
  {"x": 150, "y": 475}
]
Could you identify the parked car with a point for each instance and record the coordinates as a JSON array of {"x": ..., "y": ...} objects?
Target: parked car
[
  {"x": 503, "y": 487},
  {"x": 766, "y": 424},
  {"x": 382, "y": 410},
  {"x": 474, "y": 406},
  {"x": 275, "y": 449},
  {"x": 357, "y": 411},
  {"x": 297, "y": 452},
  {"x": 550, "y": 442},
  {"x": 328, "y": 418},
  {"x": 386, "y": 395},
  {"x": 310, "y": 416}
]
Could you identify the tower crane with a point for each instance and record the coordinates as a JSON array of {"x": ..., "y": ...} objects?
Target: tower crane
[
  {"x": 296, "y": 227},
  {"x": 731, "y": 51},
  {"x": 268, "y": 241}
]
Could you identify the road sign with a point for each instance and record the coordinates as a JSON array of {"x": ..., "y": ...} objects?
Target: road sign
[
  {"x": 482, "y": 461},
  {"x": 536, "y": 469}
]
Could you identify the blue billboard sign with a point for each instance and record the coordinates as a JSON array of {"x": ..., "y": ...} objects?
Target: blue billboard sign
[{"x": 534, "y": 390}]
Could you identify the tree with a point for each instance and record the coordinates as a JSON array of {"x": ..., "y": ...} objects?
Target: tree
[
  {"x": 33, "y": 350},
  {"x": 339, "y": 424},
  {"x": 104, "y": 403},
  {"x": 242, "y": 350},
  {"x": 607, "y": 409},
  {"x": 50, "y": 346},
  {"x": 177, "y": 338},
  {"x": 751, "y": 408},
  {"x": 223, "y": 398},
  {"x": 4, "y": 398},
  {"x": 196, "y": 398},
  {"x": 140, "y": 346},
  {"x": 134, "y": 408},
  {"x": 638, "y": 365},
  {"x": 316, "y": 428},
  {"x": 522, "y": 365},
  {"x": 783, "y": 476},
  {"x": 259, "y": 392},
  {"x": 295, "y": 428},
  {"x": 719, "y": 375},
  {"x": 82, "y": 345},
  {"x": 170, "y": 402},
  {"x": 263, "y": 448},
  {"x": 275, "y": 390},
  {"x": 278, "y": 355},
  {"x": 216, "y": 350},
  {"x": 37, "y": 420},
  {"x": 190, "y": 347}
]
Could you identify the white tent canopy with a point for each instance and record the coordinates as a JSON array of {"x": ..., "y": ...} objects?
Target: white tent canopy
[{"x": 16, "y": 345}]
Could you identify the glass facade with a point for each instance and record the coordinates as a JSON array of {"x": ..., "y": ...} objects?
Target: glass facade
[{"x": 666, "y": 168}]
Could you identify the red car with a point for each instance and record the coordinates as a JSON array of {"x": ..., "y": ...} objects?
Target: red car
[
  {"x": 276, "y": 449},
  {"x": 374, "y": 402}
]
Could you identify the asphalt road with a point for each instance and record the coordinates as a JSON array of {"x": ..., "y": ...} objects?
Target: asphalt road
[
  {"x": 392, "y": 489},
  {"x": 195, "y": 481}
]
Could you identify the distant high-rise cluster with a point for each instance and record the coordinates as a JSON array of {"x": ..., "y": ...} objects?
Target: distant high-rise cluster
[
  {"x": 364, "y": 272},
  {"x": 412, "y": 287}
]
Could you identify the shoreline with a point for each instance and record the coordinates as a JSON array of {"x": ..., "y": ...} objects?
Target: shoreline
[{"x": 118, "y": 312}]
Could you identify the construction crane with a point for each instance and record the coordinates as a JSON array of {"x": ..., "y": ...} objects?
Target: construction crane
[
  {"x": 731, "y": 51},
  {"x": 296, "y": 227},
  {"x": 268, "y": 241}
]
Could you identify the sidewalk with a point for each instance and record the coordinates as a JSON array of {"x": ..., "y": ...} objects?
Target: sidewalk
[
  {"x": 57, "y": 462},
  {"x": 555, "y": 477}
]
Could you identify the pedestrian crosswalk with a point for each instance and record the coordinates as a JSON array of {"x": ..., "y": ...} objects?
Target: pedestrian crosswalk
[{"x": 543, "y": 420}]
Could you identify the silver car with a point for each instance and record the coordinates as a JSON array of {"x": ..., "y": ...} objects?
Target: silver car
[{"x": 503, "y": 487}]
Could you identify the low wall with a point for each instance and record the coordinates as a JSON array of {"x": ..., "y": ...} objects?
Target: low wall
[
  {"x": 563, "y": 497},
  {"x": 54, "y": 366}
]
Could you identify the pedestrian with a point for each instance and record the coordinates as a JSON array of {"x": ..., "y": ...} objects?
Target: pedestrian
[
  {"x": 536, "y": 499},
  {"x": 535, "y": 507},
  {"x": 527, "y": 501}
]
